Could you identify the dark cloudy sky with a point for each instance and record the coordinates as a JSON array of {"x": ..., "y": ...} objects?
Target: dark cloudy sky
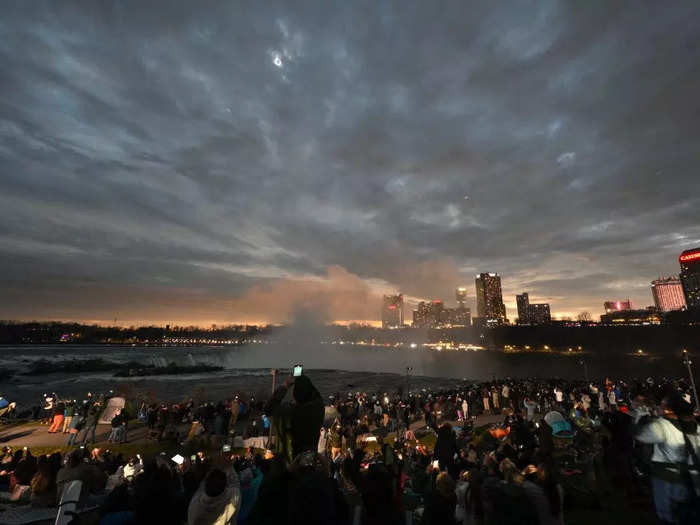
[{"x": 185, "y": 161}]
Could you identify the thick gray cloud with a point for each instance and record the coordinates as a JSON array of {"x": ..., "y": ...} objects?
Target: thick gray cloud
[{"x": 222, "y": 161}]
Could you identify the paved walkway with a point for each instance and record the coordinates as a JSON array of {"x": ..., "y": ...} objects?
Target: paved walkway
[{"x": 36, "y": 435}]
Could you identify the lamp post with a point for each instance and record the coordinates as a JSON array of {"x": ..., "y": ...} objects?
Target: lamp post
[
  {"x": 687, "y": 362},
  {"x": 273, "y": 371},
  {"x": 409, "y": 369}
]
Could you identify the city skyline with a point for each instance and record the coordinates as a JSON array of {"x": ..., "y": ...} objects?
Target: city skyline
[{"x": 200, "y": 162}]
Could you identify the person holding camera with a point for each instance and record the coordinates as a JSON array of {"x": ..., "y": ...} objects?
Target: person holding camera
[{"x": 297, "y": 424}]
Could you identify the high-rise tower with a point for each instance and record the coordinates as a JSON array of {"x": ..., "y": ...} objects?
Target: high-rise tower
[
  {"x": 489, "y": 299},
  {"x": 392, "y": 311},
  {"x": 668, "y": 294},
  {"x": 690, "y": 277}
]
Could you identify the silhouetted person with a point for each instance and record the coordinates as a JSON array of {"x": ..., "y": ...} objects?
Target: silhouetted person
[{"x": 297, "y": 424}]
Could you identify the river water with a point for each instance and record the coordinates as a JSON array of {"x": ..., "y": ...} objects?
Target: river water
[{"x": 332, "y": 368}]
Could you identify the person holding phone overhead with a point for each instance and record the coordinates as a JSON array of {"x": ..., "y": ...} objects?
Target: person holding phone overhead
[{"x": 297, "y": 424}]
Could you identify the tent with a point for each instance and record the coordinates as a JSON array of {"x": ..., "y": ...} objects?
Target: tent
[
  {"x": 114, "y": 404},
  {"x": 553, "y": 417},
  {"x": 6, "y": 407}
]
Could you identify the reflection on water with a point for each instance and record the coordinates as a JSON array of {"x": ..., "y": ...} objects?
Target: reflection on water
[{"x": 333, "y": 367}]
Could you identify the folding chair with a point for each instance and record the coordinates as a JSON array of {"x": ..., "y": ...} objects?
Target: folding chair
[{"x": 69, "y": 503}]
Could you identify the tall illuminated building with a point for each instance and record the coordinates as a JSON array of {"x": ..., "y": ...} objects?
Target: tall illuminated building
[
  {"x": 534, "y": 314},
  {"x": 460, "y": 316},
  {"x": 489, "y": 299},
  {"x": 690, "y": 277},
  {"x": 433, "y": 314},
  {"x": 392, "y": 311},
  {"x": 523, "y": 302},
  {"x": 461, "y": 296},
  {"x": 539, "y": 314},
  {"x": 668, "y": 294}
]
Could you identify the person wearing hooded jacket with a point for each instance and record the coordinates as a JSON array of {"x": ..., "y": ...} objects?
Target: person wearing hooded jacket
[
  {"x": 217, "y": 500},
  {"x": 674, "y": 469},
  {"x": 297, "y": 425}
]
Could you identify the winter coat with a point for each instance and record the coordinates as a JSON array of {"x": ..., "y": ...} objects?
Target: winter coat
[
  {"x": 219, "y": 510},
  {"x": 297, "y": 425}
]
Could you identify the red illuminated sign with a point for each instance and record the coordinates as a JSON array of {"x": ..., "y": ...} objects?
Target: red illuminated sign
[{"x": 693, "y": 256}]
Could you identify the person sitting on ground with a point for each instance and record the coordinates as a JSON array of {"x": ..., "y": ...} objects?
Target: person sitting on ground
[
  {"x": 44, "y": 484},
  {"x": 441, "y": 503},
  {"x": 25, "y": 469},
  {"x": 93, "y": 478},
  {"x": 157, "y": 493},
  {"x": 217, "y": 501},
  {"x": 544, "y": 494},
  {"x": 297, "y": 424}
]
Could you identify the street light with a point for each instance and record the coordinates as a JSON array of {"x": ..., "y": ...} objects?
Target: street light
[
  {"x": 687, "y": 362},
  {"x": 409, "y": 369},
  {"x": 273, "y": 372}
]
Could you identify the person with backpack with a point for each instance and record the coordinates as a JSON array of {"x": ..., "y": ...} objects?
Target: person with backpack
[{"x": 675, "y": 467}]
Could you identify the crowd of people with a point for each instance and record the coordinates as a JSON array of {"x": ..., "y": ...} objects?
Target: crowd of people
[
  {"x": 79, "y": 420},
  {"x": 550, "y": 447}
]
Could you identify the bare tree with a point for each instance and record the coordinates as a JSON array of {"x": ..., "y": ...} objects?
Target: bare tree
[{"x": 584, "y": 316}]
